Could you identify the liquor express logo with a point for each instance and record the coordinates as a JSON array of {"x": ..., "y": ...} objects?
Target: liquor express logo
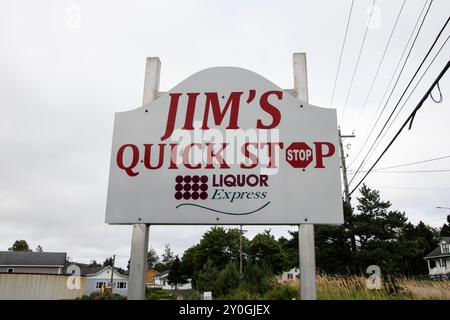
[
  {"x": 225, "y": 187},
  {"x": 191, "y": 187}
]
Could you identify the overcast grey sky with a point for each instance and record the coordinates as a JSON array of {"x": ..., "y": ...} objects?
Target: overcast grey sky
[{"x": 67, "y": 66}]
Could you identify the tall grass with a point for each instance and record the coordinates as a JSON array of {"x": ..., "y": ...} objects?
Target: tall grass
[{"x": 335, "y": 287}]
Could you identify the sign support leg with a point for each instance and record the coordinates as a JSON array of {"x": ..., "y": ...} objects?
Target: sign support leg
[
  {"x": 138, "y": 262},
  {"x": 139, "y": 241},
  {"x": 307, "y": 257},
  {"x": 306, "y": 247}
]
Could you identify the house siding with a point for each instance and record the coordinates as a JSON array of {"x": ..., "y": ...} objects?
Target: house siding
[
  {"x": 31, "y": 270},
  {"x": 90, "y": 286},
  {"x": 38, "y": 287}
]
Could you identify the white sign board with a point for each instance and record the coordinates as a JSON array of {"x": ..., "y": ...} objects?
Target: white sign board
[
  {"x": 207, "y": 295},
  {"x": 225, "y": 146}
]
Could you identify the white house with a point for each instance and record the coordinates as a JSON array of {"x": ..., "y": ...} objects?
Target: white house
[
  {"x": 98, "y": 277},
  {"x": 439, "y": 259},
  {"x": 162, "y": 283},
  {"x": 289, "y": 275}
]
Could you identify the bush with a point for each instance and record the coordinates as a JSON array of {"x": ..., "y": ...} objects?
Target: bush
[
  {"x": 228, "y": 279},
  {"x": 102, "y": 296},
  {"x": 159, "y": 294},
  {"x": 282, "y": 292},
  {"x": 258, "y": 279},
  {"x": 207, "y": 278},
  {"x": 194, "y": 295}
]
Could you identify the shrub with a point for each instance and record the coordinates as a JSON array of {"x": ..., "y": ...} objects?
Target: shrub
[
  {"x": 159, "y": 294},
  {"x": 282, "y": 292},
  {"x": 194, "y": 295},
  {"x": 258, "y": 279},
  {"x": 228, "y": 279}
]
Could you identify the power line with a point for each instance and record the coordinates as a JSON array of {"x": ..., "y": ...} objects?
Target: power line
[
  {"x": 408, "y": 171},
  {"x": 374, "y": 124},
  {"x": 357, "y": 63},
  {"x": 412, "y": 188},
  {"x": 417, "y": 162},
  {"x": 379, "y": 66},
  {"x": 342, "y": 51},
  {"x": 403, "y": 94},
  {"x": 409, "y": 96},
  {"x": 408, "y": 121}
]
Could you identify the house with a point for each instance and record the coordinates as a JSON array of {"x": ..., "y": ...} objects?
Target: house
[
  {"x": 99, "y": 277},
  {"x": 162, "y": 283},
  {"x": 289, "y": 275},
  {"x": 32, "y": 262},
  {"x": 150, "y": 277},
  {"x": 439, "y": 259}
]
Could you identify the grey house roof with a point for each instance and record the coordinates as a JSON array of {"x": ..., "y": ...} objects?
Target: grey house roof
[
  {"x": 436, "y": 253},
  {"x": 86, "y": 270},
  {"x": 21, "y": 258}
]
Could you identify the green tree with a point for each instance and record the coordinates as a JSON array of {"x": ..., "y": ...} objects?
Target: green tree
[
  {"x": 445, "y": 230},
  {"x": 419, "y": 241},
  {"x": 167, "y": 257},
  {"x": 228, "y": 279},
  {"x": 378, "y": 230},
  {"x": 176, "y": 276},
  {"x": 152, "y": 258},
  {"x": 20, "y": 245},
  {"x": 108, "y": 262},
  {"x": 207, "y": 278},
  {"x": 94, "y": 263},
  {"x": 258, "y": 278},
  {"x": 265, "y": 249},
  {"x": 219, "y": 245}
]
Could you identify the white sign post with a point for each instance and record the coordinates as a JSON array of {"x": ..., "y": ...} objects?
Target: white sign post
[
  {"x": 306, "y": 246},
  {"x": 225, "y": 146}
]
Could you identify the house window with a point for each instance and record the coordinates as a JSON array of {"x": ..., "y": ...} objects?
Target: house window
[
  {"x": 100, "y": 284},
  {"x": 432, "y": 264},
  {"x": 290, "y": 276},
  {"x": 10, "y": 270},
  {"x": 121, "y": 285},
  {"x": 445, "y": 248}
]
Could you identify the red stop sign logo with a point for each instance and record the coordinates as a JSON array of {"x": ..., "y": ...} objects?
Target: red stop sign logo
[{"x": 299, "y": 155}]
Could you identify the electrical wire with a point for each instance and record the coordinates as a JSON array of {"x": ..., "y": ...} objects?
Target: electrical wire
[
  {"x": 374, "y": 124},
  {"x": 412, "y": 163},
  {"x": 404, "y": 92},
  {"x": 342, "y": 51},
  {"x": 408, "y": 120},
  {"x": 357, "y": 63},
  {"x": 379, "y": 67},
  {"x": 409, "y": 96}
]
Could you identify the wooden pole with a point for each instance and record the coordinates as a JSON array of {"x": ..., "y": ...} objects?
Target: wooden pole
[
  {"x": 306, "y": 246},
  {"x": 139, "y": 239}
]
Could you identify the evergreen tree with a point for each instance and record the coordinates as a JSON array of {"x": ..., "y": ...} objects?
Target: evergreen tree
[
  {"x": 20, "y": 245},
  {"x": 108, "y": 262},
  {"x": 445, "y": 230},
  {"x": 152, "y": 258},
  {"x": 176, "y": 276},
  {"x": 265, "y": 249},
  {"x": 168, "y": 257}
]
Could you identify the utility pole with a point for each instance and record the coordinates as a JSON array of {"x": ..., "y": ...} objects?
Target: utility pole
[
  {"x": 240, "y": 250},
  {"x": 343, "y": 165},
  {"x": 345, "y": 179},
  {"x": 112, "y": 272}
]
